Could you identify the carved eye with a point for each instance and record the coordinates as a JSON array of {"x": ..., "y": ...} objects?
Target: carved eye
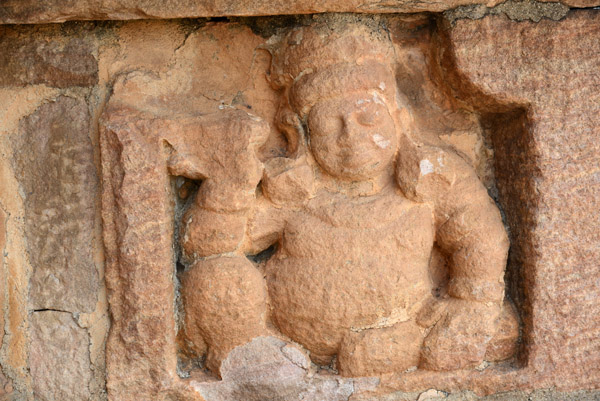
[
  {"x": 330, "y": 125},
  {"x": 369, "y": 117}
]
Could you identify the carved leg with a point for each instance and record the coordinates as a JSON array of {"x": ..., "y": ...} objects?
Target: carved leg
[
  {"x": 225, "y": 305},
  {"x": 460, "y": 337},
  {"x": 374, "y": 351}
]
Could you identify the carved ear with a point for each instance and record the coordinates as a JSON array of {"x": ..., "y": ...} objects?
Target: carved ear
[
  {"x": 290, "y": 124},
  {"x": 425, "y": 171}
]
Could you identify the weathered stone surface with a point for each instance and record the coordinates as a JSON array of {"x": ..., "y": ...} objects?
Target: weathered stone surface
[
  {"x": 548, "y": 163},
  {"x": 3, "y": 283},
  {"x": 5, "y": 385},
  {"x": 137, "y": 190},
  {"x": 15, "y": 11},
  {"x": 343, "y": 242},
  {"x": 516, "y": 10},
  {"x": 225, "y": 306},
  {"x": 59, "y": 357},
  {"x": 504, "y": 344},
  {"x": 156, "y": 124},
  {"x": 138, "y": 230},
  {"x": 537, "y": 395},
  {"x": 268, "y": 369},
  {"x": 54, "y": 159},
  {"x": 544, "y": 297},
  {"x": 46, "y": 56},
  {"x": 13, "y": 290}
]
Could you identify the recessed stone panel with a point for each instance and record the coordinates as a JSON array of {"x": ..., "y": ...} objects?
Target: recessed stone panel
[
  {"x": 550, "y": 69},
  {"x": 320, "y": 207},
  {"x": 54, "y": 162}
]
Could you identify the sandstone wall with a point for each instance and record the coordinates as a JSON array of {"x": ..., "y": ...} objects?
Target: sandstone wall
[{"x": 534, "y": 85}]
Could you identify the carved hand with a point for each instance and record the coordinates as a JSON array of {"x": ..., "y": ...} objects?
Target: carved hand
[
  {"x": 459, "y": 338},
  {"x": 221, "y": 150}
]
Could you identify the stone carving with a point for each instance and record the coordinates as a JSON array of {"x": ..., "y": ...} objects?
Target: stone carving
[{"x": 349, "y": 226}]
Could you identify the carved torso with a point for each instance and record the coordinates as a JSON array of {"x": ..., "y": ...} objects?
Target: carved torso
[{"x": 350, "y": 264}]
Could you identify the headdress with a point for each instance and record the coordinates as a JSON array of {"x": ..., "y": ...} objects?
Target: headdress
[{"x": 315, "y": 62}]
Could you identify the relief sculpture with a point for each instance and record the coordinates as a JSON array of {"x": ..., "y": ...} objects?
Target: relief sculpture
[
  {"x": 352, "y": 214},
  {"x": 350, "y": 217},
  {"x": 319, "y": 207}
]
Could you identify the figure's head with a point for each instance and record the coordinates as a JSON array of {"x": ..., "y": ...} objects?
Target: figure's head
[{"x": 340, "y": 88}]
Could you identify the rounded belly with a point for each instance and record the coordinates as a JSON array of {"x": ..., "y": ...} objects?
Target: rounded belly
[{"x": 357, "y": 283}]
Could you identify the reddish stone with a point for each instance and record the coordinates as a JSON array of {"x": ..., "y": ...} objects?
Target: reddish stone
[
  {"x": 551, "y": 275},
  {"x": 548, "y": 158},
  {"x": 32, "y": 12},
  {"x": 46, "y": 56},
  {"x": 18, "y": 11},
  {"x": 5, "y": 383}
]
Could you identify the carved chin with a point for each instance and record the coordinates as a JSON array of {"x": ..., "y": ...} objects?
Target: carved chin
[
  {"x": 362, "y": 173},
  {"x": 353, "y": 167}
]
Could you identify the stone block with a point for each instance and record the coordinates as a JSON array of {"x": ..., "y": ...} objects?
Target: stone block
[
  {"x": 53, "y": 158},
  {"x": 58, "y": 357},
  {"x": 519, "y": 101},
  {"x": 171, "y": 296},
  {"x": 5, "y": 383}
]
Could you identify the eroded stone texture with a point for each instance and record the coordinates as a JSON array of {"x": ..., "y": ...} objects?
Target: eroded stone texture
[
  {"x": 350, "y": 275},
  {"x": 15, "y": 11},
  {"x": 47, "y": 56},
  {"x": 567, "y": 53},
  {"x": 5, "y": 385},
  {"x": 351, "y": 214},
  {"x": 269, "y": 369},
  {"x": 58, "y": 357},
  {"x": 138, "y": 232},
  {"x": 137, "y": 190},
  {"x": 54, "y": 160},
  {"x": 551, "y": 69}
]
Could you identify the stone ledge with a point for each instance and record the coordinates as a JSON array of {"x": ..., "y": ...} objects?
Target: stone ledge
[{"x": 36, "y": 12}]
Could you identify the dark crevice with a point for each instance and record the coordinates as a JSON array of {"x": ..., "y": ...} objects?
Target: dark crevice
[
  {"x": 516, "y": 166},
  {"x": 263, "y": 256},
  {"x": 180, "y": 267}
]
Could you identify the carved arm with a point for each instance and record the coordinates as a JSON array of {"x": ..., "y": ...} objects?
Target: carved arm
[{"x": 471, "y": 233}]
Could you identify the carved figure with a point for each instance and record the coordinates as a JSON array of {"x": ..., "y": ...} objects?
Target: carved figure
[{"x": 354, "y": 212}]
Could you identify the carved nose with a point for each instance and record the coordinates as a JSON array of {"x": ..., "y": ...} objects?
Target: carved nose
[{"x": 351, "y": 130}]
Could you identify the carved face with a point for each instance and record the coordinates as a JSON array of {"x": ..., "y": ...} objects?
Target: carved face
[{"x": 353, "y": 136}]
